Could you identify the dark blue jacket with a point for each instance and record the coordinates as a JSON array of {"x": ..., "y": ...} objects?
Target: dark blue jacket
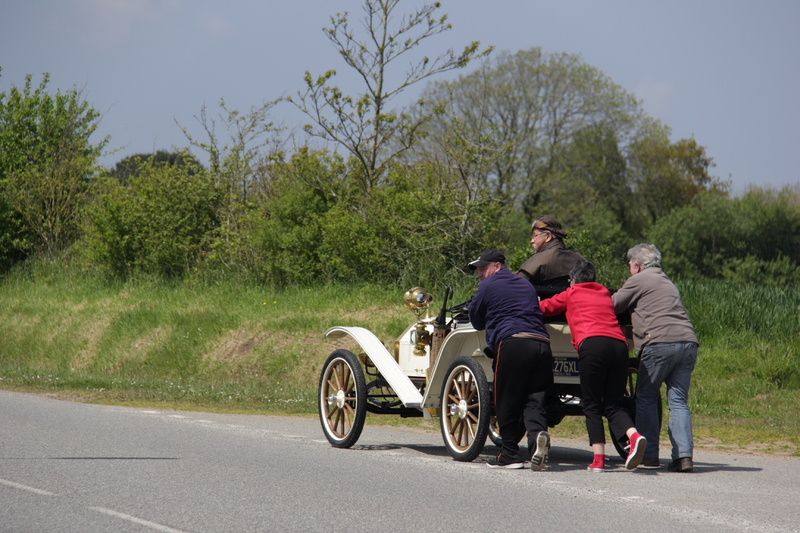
[{"x": 506, "y": 304}]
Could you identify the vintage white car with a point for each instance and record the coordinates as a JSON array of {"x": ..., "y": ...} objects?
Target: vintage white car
[{"x": 436, "y": 368}]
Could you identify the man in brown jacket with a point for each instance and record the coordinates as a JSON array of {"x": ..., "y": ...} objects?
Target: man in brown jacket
[
  {"x": 551, "y": 262},
  {"x": 666, "y": 343}
]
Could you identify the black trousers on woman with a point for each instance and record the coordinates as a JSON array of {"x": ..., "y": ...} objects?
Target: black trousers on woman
[
  {"x": 523, "y": 371},
  {"x": 603, "y": 363}
]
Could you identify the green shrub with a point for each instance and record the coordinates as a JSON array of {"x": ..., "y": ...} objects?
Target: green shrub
[
  {"x": 158, "y": 223},
  {"x": 781, "y": 272},
  {"x": 751, "y": 239}
]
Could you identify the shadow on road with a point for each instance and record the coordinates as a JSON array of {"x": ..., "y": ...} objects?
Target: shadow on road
[{"x": 562, "y": 458}]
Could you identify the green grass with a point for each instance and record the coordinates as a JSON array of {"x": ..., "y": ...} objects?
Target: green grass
[
  {"x": 243, "y": 348},
  {"x": 746, "y": 387},
  {"x": 224, "y": 345}
]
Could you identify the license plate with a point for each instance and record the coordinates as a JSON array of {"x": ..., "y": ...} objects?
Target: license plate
[{"x": 564, "y": 367}]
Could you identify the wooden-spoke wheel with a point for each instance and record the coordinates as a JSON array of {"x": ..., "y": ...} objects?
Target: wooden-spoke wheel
[
  {"x": 465, "y": 409},
  {"x": 342, "y": 399}
]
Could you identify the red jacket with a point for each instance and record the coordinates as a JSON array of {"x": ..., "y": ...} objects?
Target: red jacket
[{"x": 589, "y": 309}]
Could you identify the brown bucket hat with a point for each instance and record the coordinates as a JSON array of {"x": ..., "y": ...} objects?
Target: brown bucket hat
[{"x": 551, "y": 224}]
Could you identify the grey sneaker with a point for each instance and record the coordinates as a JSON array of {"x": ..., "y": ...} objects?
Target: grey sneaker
[{"x": 539, "y": 457}]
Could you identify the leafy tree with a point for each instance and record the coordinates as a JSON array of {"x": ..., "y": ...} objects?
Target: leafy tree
[
  {"x": 131, "y": 165},
  {"x": 49, "y": 197},
  {"x": 781, "y": 272},
  {"x": 413, "y": 229},
  {"x": 529, "y": 108},
  {"x": 595, "y": 182},
  {"x": 771, "y": 220},
  {"x": 280, "y": 238},
  {"x": 558, "y": 136},
  {"x": 696, "y": 240},
  {"x": 435, "y": 220},
  {"x": 47, "y": 163},
  {"x": 365, "y": 124},
  {"x": 754, "y": 238},
  {"x": 239, "y": 163},
  {"x": 667, "y": 175},
  {"x": 251, "y": 140}
]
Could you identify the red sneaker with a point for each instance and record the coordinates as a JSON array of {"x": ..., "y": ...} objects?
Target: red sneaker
[
  {"x": 598, "y": 465},
  {"x": 638, "y": 444}
]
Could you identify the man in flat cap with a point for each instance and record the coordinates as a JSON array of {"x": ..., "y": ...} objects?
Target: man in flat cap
[
  {"x": 507, "y": 306},
  {"x": 551, "y": 262}
]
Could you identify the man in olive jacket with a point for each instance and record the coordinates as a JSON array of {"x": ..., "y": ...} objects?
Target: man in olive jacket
[
  {"x": 667, "y": 346},
  {"x": 551, "y": 262}
]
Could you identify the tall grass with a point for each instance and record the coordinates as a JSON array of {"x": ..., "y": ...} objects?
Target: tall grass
[
  {"x": 748, "y": 331},
  {"x": 746, "y": 386},
  {"x": 243, "y": 347}
]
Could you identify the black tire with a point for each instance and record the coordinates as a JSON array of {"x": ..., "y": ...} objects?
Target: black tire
[
  {"x": 494, "y": 432},
  {"x": 342, "y": 399},
  {"x": 465, "y": 409}
]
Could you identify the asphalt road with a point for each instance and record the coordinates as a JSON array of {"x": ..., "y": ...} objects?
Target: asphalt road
[{"x": 71, "y": 467}]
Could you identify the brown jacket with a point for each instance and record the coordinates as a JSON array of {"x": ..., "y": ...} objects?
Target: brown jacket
[{"x": 550, "y": 265}]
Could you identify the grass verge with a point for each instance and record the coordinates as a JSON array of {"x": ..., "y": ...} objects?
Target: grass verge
[{"x": 249, "y": 349}]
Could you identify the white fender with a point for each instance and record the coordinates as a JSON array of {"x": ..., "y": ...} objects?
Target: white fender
[
  {"x": 464, "y": 340},
  {"x": 383, "y": 360}
]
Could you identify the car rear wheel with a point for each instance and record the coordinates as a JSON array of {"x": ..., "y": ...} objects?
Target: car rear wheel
[{"x": 465, "y": 409}]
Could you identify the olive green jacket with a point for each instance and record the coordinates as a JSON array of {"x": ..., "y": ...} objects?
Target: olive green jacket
[{"x": 550, "y": 265}]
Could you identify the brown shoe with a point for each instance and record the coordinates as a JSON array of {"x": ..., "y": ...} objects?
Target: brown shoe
[
  {"x": 650, "y": 462},
  {"x": 684, "y": 464}
]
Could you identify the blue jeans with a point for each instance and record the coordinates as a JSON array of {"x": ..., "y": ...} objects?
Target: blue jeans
[{"x": 670, "y": 363}]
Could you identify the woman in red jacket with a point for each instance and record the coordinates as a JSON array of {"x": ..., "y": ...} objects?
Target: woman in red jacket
[{"x": 602, "y": 359}]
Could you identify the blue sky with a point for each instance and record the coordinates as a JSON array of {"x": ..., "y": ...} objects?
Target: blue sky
[{"x": 726, "y": 72}]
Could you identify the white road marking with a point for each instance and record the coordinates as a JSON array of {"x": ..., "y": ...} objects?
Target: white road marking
[
  {"x": 147, "y": 523},
  {"x": 636, "y": 498},
  {"x": 25, "y": 487}
]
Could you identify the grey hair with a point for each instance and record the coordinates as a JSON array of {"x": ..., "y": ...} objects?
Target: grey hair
[{"x": 646, "y": 255}]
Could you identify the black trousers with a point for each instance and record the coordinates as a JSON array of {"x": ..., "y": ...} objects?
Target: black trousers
[
  {"x": 603, "y": 365},
  {"x": 523, "y": 371}
]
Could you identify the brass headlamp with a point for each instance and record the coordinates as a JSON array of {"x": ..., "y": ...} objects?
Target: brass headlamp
[{"x": 419, "y": 302}]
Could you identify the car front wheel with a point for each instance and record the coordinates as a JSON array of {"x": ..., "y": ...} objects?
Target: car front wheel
[{"x": 342, "y": 399}]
